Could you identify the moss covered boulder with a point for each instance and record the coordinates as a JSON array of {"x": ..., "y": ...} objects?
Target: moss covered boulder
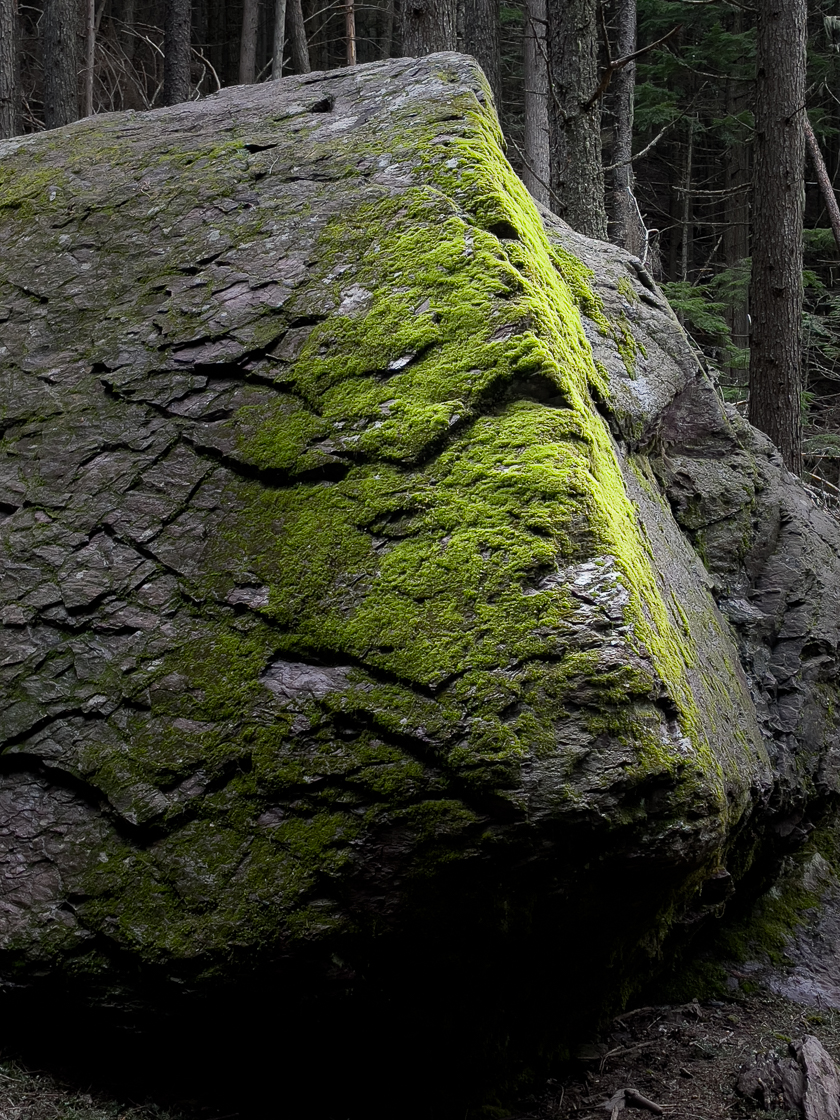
[{"x": 354, "y": 665}]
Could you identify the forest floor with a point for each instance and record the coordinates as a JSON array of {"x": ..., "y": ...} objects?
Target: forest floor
[{"x": 685, "y": 1059}]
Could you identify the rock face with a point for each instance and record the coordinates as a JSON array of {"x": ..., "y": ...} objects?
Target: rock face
[{"x": 358, "y": 657}]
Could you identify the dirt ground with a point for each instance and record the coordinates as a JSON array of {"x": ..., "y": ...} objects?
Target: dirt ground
[{"x": 685, "y": 1059}]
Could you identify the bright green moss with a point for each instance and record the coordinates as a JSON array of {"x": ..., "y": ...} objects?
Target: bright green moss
[{"x": 489, "y": 488}]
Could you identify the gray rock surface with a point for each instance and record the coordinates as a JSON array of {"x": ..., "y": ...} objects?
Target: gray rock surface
[
  {"x": 806, "y": 1082},
  {"x": 357, "y": 646}
]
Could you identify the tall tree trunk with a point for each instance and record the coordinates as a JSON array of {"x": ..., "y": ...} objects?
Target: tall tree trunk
[
  {"x": 736, "y": 231},
  {"x": 127, "y": 38},
  {"x": 279, "y": 38},
  {"x": 297, "y": 37},
  {"x": 200, "y": 19},
  {"x": 776, "y": 285},
  {"x": 537, "y": 163},
  {"x": 218, "y": 38},
  {"x": 428, "y": 26},
  {"x": 481, "y": 40},
  {"x": 577, "y": 169},
  {"x": 628, "y": 230},
  {"x": 386, "y": 42},
  {"x": 248, "y": 42},
  {"x": 350, "y": 31},
  {"x": 61, "y": 68},
  {"x": 90, "y": 54},
  {"x": 176, "y": 51},
  {"x": 9, "y": 70},
  {"x": 686, "y": 223}
]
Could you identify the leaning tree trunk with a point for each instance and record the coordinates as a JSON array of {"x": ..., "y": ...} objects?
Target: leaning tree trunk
[
  {"x": 9, "y": 70},
  {"x": 248, "y": 42},
  {"x": 481, "y": 40},
  {"x": 428, "y": 26},
  {"x": 60, "y": 33},
  {"x": 776, "y": 286},
  {"x": 176, "y": 47},
  {"x": 577, "y": 169},
  {"x": 537, "y": 171},
  {"x": 628, "y": 230},
  {"x": 826, "y": 188}
]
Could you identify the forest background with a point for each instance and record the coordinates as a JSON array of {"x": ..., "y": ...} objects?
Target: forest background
[{"x": 632, "y": 119}]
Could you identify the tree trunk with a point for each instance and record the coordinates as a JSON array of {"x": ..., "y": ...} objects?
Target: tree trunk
[
  {"x": 176, "y": 51},
  {"x": 481, "y": 40},
  {"x": 60, "y": 35},
  {"x": 736, "y": 232},
  {"x": 90, "y": 54},
  {"x": 200, "y": 21},
  {"x": 428, "y": 26},
  {"x": 776, "y": 286},
  {"x": 537, "y": 163},
  {"x": 297, "y": 37},
  {"x": 577, "y": 169},
  {"x": 628, "y": 230},
  {"x": 826, "y": 189},
  {"x": 386, "y": 43},
  {"x": 686, "y": 215},
  {"x": 279, "y": 38},
  {"x": 248, "y": 42},
  {"x": 350, "y": 31},
  {"x": 9, "y": 70},
  {"x": 127, "y": 38}
]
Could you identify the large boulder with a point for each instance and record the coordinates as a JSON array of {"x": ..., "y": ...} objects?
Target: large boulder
[{"x": 358, "y": 659}]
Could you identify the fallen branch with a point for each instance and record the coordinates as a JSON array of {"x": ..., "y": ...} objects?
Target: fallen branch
[
  {"x": 621, "y": 1051},
  {"x": 623, "y": 1097}
]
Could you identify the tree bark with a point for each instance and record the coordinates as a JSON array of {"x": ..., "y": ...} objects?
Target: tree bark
[
  {"x": 9, "y": 70},
  {"x": 127, "y": 38},
  {"x": 736, "y": 232},
  {"x": 60, "y": 47},
  {"x": 199, "y": 24},
  {"x": 350, "y": 31},
  {"x": 776, "y": 286},
  {"x": 628, "y": 230},
  {"x": 176, "y": 51},
  {"x": 482, "y": 41},
  {"x": 428, "y": 26},
  {"x": 279, "y": 39},
  {"x": 827, "y": 190},
  {"x": 248, "y": 42},
  {"x": 577, "y": 169},
  {"x": 386, "y": 42},
  {"x": 90, "y": 54},
  {"x": 686, "y": 224},
  {"x": 297, "y": 37},
  {"x": 535, "y": 140}
]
